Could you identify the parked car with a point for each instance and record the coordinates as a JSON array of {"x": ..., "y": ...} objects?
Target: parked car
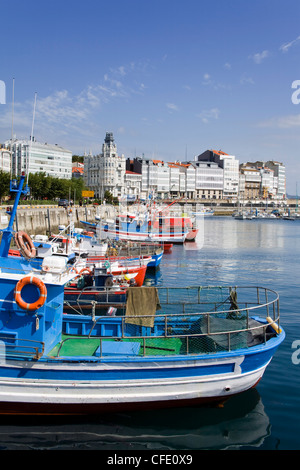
[{"x": 63, "y": 203}]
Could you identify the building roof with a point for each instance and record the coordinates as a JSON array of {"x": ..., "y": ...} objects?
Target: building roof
[
  {"x": 128, "y": 172},
  {"x": 178, "y": 164},
  {"x": 219, "y": 152},
  {"x": 77, "y": 169}
]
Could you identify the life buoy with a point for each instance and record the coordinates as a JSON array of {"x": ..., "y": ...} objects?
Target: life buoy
[
  {"x": 85, "y": 271},
  {"x": 39, "y": 284},
  {"x": 25, "y": 244}
]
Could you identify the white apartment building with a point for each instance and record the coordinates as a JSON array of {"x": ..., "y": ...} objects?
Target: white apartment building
[
  {"x": 182, "y": 179},
  {"x": 230, "y": 167},
  {"x": 191, "y": 181},
  {"x": 209, "y": 180},
  {"x": 5, "y": 159},
  {"x": 35, "y": 157},
  {"x": 279, "y": 177},
  {"x": 106, "y": 171},
  {"x": 133, "y": 182},
  {"x": 267, "y": 182},
  {"x": 155, "y": 177}
]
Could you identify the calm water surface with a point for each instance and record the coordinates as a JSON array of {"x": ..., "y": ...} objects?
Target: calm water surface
[{"x": 230, "y": 252}]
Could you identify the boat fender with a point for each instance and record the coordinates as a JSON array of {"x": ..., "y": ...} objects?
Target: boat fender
[
  {"x": 25, "y": 244},
  {"x": 274, "y": 325},
  {"x": 18, "y": 291}
]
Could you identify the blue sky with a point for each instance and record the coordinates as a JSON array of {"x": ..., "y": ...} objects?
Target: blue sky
[{"x": 169, "y": 78}]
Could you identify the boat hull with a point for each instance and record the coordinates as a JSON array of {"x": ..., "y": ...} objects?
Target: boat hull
[
  {"x": 65, "y": 387},
  {"x": 175, "y": 237}
]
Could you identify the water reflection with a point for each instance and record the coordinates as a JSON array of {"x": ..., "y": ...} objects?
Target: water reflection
[
  {"x": 241, "y": 421},
  {"x": 229, "y": 234}
]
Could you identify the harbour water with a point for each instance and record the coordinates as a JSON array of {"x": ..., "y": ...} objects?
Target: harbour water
[{"x": 232, "y": 252}]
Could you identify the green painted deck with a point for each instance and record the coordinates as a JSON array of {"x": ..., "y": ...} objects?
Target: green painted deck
[{"x": 74, "y": 346}]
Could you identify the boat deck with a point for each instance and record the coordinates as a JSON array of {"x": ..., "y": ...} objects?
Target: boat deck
[
  {"x": 176, "y": 321},
  {"x": 72, "y": 346}
]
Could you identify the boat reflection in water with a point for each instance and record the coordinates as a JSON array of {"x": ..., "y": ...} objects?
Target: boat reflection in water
[{"x": 241, "y": 422}]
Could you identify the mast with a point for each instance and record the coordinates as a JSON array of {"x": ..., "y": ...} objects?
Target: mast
[
  {"x": 31, "y": 137},
  {"x": 12, "y": 126},
  {"x": 8, "y": 231}
]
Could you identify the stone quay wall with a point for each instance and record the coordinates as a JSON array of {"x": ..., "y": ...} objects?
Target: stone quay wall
[{"x": 46, "y": 220}]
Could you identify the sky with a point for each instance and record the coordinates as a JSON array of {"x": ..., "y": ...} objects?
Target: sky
[{"x": 169, "y": 78}]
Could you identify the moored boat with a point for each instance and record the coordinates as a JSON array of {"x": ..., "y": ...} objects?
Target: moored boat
[{"x": 173, "y": 346}]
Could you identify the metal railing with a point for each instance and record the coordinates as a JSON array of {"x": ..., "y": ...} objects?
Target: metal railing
[
  {"x": 17, "y": 348},
  {"x": 197, "y": 323}
]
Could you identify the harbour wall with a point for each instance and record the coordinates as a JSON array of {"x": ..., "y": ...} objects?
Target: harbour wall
[{"x": 47, "y": 220}]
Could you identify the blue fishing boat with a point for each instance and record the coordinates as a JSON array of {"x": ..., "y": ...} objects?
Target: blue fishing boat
[{"x": 173, "y": 346}]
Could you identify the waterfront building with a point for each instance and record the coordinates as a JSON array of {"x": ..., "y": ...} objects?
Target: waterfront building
[
  {"x": 279, "y": 177},
  {"x": 5, "y": 161},
  {"x": 106, "y": 171},
  {"x": 31, "y": 156},
  {"x": 182, "y": 180},
  {"x": 267, "y": 183},
  {"x": 213, "y": 174},
  {"x": 133, "y": 183},
  {"x": 209, "y": 182},
  {"x": 193, "y": 180},
  {"x": 264, "y": 179},
  {"x": 230, "y": 167},
  {"x": 250, "y": 182},
  {"x": 155, "y": 176}
]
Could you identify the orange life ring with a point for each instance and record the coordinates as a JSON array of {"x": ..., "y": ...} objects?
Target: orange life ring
[
  {"x": 25, "y": 244},
  {"x": 85, "y": 270},
  {"x": 39, "y": 284}
]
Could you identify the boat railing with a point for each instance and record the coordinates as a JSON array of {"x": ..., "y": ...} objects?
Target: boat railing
[
  {"x": 202, "y": 325},
  {"x": 102, "y": 297},
  {"x": 242, "y": 324},
  {"x": 13, "y": 347}
]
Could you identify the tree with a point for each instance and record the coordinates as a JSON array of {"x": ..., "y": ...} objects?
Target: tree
[
  {"x": 4, "y": 183},
  {"x": 108, "y": 197},
  {"x": 77, "y": 158}
]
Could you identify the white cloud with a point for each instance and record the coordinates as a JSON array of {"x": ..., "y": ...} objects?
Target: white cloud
[
  {"x": 285, "y": 47},
  {"x": 172, "y": 106},
  {"x": 207, "y": 79},
  {"x": 282, "y": 122},
  {"x": 209, "y": 114},
  {"x": 245, "y": 79},
  {"x": 260, "y": 56},
  {"x": 64, "y": 117}
]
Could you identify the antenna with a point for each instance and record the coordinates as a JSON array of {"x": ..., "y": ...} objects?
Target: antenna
[
  {"x": 12, "y": 126},
  {"x": 31, "y": 137}
]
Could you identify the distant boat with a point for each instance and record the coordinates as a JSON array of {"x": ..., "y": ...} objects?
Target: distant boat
[
  {"x": 162, "y": 230},
  {"x": 240, "y": 216}
]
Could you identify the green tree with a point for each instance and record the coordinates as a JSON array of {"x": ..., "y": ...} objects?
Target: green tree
[
  {"x": 108, "y": 197},
  {"x": 4, "y": 184},
  {"x": 37, "y": 183},
  {"x": 77, "y": 158}
]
